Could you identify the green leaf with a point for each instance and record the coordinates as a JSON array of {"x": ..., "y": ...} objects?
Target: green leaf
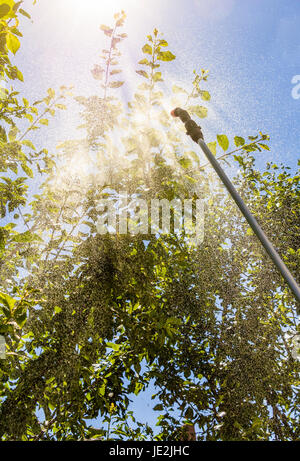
[
  {"x": 113, "y": 346},
  {"x": 20, "y": 76},
  {"x": 120, "y": 22},
  {"x": 157, "y": 77},
  {"x": 165, "y": 56},
  {"x": 12, "y": 42},
  {"x": 13, "y": 134},
  {"x": 102, "y": 389},
  {"x": 44, "y": 121},
  {"x": 115, "y": 71},
  {"x": 185, "y": 162},
  {"x": 24, "y": 13},
  {"x": 264, "y": 146},
  {"x": 213, "y": 147},
  {"x": 116, "y": 84},
  {"x": 223, "y": 141},
  {"x": 16, "y": 31},
  {"x": 51, "y": 93},
  {"x": 3, "y": 136},
  {"x": 29, "y": 117},
  {"x": 107, "y": 30},
  {"x": 61, "y": 106},
  {"x": 57, "y": 309},
  {"x": 205, "y": 95},
  {"x": 7, "y": 303},
  {"x": 200, "y": 111},
  {"x": 4, "y": 10},
  {"x": 158, "y": 407},
  {"x": 174, "y": 321},
  {"x": 21, "y": 319},
  {"x": 138, "y": 388},
  {"x": 28, "y": 143},
  {"x": 238, "y": 141},
  {"x": 16, "y": 5},
  {"x": 25, "y": 237},
  {"x": 144, "y": 61},
  {"x": 163, "y": 43},
  {"x": 5, "y": 328},
  {"x": 143, "y": 73},
  {"x": 147, "y": 49}
]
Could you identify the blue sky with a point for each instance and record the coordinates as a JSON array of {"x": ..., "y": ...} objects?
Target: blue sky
[{"x": 251, "y": 47}]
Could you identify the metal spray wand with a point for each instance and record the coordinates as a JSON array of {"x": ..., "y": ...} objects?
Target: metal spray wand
[{"x": 194, "y": 131}]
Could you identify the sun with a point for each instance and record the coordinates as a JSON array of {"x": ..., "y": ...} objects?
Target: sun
[
  {"x": 82, "y": 17},
  {"x": 103, "y": 9}
]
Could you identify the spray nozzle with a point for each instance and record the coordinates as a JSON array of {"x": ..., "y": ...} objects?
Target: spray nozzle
[{"x": 192, "y": 129}]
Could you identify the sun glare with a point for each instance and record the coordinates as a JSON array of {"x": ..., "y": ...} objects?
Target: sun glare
[{"x": 91, "y": 9}]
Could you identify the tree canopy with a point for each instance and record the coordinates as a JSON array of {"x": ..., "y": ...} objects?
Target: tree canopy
[{"x": 89, "y": 319}]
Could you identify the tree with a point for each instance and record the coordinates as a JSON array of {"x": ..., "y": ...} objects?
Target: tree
[{"x": 95, "y": 318}]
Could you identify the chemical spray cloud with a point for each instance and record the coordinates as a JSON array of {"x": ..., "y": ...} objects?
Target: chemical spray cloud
[{"x": 132, "y": 215}]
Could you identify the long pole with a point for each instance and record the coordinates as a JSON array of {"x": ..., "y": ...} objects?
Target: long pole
[{"x": 195, "y": 132}]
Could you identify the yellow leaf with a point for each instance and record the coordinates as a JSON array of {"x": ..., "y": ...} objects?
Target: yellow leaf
[{"x": 12, "y": 42}]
